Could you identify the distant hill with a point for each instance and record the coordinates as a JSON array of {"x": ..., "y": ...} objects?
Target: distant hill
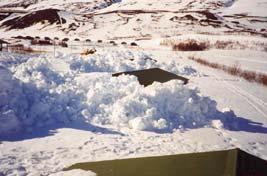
[{"x": 118, "y": 19}]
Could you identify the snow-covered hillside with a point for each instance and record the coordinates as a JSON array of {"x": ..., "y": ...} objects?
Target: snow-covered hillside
[
  {"x": 77, "y": 6},
  {"x": 61, "y": 105},
  {"x": 131, "y": 19}
]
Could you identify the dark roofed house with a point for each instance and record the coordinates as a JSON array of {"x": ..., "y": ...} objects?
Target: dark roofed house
[
  {"x": 2, "y": 42},
  {"x": 147, "y": 77}
]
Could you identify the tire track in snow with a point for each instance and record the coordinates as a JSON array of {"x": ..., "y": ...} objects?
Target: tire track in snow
[
  {"x": 256, "y": 99},
  {"x": 252, "y": 100},
  {"x": 249, "y": 98},
  {"x": 244, "y": 59}
]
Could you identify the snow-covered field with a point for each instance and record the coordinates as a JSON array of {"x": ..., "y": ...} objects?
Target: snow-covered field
[
  {"x": 57, "y": 110},
  {"x": 70, "y": 107}
]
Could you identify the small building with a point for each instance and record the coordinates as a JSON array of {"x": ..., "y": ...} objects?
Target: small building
[
  {"x": 148, "y": 76},
  {"x": 3, "y": 44}
]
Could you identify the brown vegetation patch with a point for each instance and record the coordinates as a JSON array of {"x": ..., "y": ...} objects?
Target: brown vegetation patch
[
  {"x": 65, "y": 39},
  {"x": 3, "y": 15},
  {"x": 235, "y": 70},
  {"x": 208, "y": 15},
  {"x": 186, "y": 17},
  {"x": 19, "y": 48},
  {"x": 190, "y": 45},
  {"x": 41, "y": 42},
  {"x": 47, "y": 38},
  {"x": 228, "y": 45},
  {"x": 194, "y": 45}
]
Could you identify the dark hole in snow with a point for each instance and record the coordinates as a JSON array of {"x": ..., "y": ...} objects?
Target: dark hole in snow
[{"x": 148, "y": 76}]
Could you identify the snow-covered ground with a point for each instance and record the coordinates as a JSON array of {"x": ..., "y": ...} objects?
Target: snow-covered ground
[
  {"x": 246, "y": 59},
  {"x": 57, "y": 110},
  {"x": 77, "y": 6},
  {"x": 71, "y": 108},
  {"x": 251, "y": 8}
]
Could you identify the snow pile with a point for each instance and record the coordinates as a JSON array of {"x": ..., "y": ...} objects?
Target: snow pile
[
  {"x": 38, "y": 95},
  {"x": 25, "y": 106},
  {"x": 12, "y": 102},
  {"x": 123, "y": 102},
  {"x": 39, "y": 72},
  {"x": 12, "y": 60},
  {"x": 118, "y": 61}
]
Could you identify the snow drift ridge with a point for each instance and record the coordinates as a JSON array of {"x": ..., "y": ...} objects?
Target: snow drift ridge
[{"x": 38, "y": 95}]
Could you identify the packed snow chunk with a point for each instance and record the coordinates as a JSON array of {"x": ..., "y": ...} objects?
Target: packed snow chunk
[
  {"x": 115, "y": 61},
  {"x": 112, "y": 61},
  {"x": 140, "y": 123},
  {"x": 38, "y": 71},
  {"x": 217, "y": 124},
  {"x": 122, "y": 102},
  {"x": 11, "y": 60},
  {"x": 12, "y": 102}
]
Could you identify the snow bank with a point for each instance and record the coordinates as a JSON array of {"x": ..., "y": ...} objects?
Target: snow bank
[
  {"x": 123, "y": 102},
  {"x": 118, "y": 61},
  {"x": 12, "y": 102},
  {"x": 37, "y": 95},
  {"x": 13, "y": 60},
  {"x": 27, "y": 105},
  {"x": 39, "y": 72}
]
